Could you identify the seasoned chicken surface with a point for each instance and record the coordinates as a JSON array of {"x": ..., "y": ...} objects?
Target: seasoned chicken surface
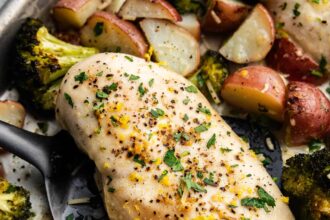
[
  {"x": 307, "y": 22},
  {"x": 162, "y": 151}
]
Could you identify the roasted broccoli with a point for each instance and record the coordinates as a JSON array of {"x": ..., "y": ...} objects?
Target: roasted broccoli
[
  {"x": 211, "y": 74},
  {"x": 14, "y": 202},
  {"x": 190, "y": 6},
  {"x": 306, "y": 181},
  {"x": 40, "y": 59}
]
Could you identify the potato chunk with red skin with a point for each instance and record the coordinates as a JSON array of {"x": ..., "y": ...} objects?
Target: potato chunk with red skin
[
  {"x": 307, "y": 113},
  {"x": 288, "y": 57},
  {"x": 256, "y": 89}
]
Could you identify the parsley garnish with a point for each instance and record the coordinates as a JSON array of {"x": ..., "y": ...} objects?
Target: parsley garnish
[
  {"x": 186, "y": 101},
  {"x": 225, "y": 150},
  {"x": 187, "y": 180},
  {"x": 137, "y": 159},
  {"x": 191, "y": 89},
  {"x": 111, "y": 190},
  {"x": 114, "y": 121},
  {"x": 68, "y": 99},
  {"x": 210, "y": 180},
  {"x": 129, "y": 58},
  {"x": 81, "y": 77},
  {"x": 109, "y": 88},
  {"x": 157, "y": 112},
  {"x": 185, "y": 117},
  {"x": 142, "y": 90},
  {"x": 151, "y": 82},
  {"x": 70, "y": 217},
  {"x": 262, "y": 201},
  {"x": 203, "y": 109},
  {"x": 164, "y": 173},
  {"x": 172, "y": 161},
  {"x": 314, "y": 145},
  {"x": 98, "y": 29},
  {"x": 133, "y": 77},
  {"x": 211, "y": 142},
  {"x": 101, "y": 95},
  {"x": 322, "y": 68},
  {"x": 296, "y": 11},
  {"x": 203, "y": 127}
]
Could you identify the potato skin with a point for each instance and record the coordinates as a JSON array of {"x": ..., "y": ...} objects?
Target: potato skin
[
  {"x": 307, "y": 113},
  {"x": 230, "y": 13},
  {"x": 257, "y": 89},
  {"x": 288, "y": 57}
]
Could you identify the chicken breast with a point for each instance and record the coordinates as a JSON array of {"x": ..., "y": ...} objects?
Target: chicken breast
[
  {"x": 307, "y": 22},
  {"x": 162, "y": 151}
]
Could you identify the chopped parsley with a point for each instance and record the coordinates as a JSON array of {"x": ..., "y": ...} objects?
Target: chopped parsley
[
  {"x": 81, "y": 77},
  {"x": 211, "y": 141},
  {"x": 263, "y": 200},
  {"x": 109, "y": 88},
  {"x": 200, "y": 174},
  {"x": 191, "y": 89},
  {"x": 172, "y": 161},
  {"x": 114, "y": 121},
  {"x": 141, "y": 90},
  {"x": 328, "y": 90},
  {"x": 210, "y": 180},
  {"x": 296, "y": 11},
  {"x": 186, "y": 101},
  {"x": 68, "y": 99},
  {"x": 43, "y": 126},
  {"x": 130, "y": 59},
  {"x": 133, "y": 77},
  {"x": 314, "y": 145},
  {"x": 322, "y": 68},
  {"x": 111, "y": 190},
  {"x": 98, "y": 28},
  {"x": 151, "y": 82},
  {"x": 101, "y": 95},
  {"x": 203, "y": 109},
  {"x": 190, "y": 184},
  {"x": 70, "y": 217},
  {"x": 157, "y": 112},
  {"x": 164, "y": 173},
  {"x": 137, "y": 159},
  {"x": 99, "y": 73},
  {"x": 185, "y": 117},
  {"x": 225, "y": 150},
  {"x": 203, "y": 127}
]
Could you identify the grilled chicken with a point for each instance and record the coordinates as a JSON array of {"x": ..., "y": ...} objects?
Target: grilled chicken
[
  {"x": 307, "y": 22},
  {"x": 161, "y": 150}
]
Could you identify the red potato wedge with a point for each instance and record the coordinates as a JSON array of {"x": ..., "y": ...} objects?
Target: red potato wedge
[
  {"x": 256, "y": 89},
  {"x": 107, "y": 32},
  {"x": 288, "y": 57},
  {"x": 253, "y": 39},
  {"x": 133, "y": 9},
  {"x": 173, "y": 46},
  {"x": 225, "y": 15},
  {"x": 191, "y": 24},
  {"x": 307, "y": 113},
  {"x": 74, "y": 13},
  {"x": 115, "y": 6},
  {"x": 12, "y": 113}
]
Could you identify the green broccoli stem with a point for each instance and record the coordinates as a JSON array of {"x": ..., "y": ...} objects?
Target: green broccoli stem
[{"x": 66, "y": 54}]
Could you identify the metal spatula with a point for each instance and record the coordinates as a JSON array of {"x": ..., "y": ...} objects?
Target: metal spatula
[{"x": 69, "y": 174}]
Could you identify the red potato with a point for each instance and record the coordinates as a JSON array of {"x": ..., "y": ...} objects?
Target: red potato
[
  {"x": 225, "y": 15},
  {"x": 256, "y": 89},
  {"x": 133, "y": 9},
  {"x": 191, "y": 24},
  {"x": 288, "y": 57},
  {"x": 74, "y": 13},
  {"x": 115, "y": 6},
  {"x": 12, "y": 113},
  {"x": 173, "y": 46},
  {"x": 307, "y": 113},
  {"x": 107, "y": 32},
  {"x": 253, "y": 39}
]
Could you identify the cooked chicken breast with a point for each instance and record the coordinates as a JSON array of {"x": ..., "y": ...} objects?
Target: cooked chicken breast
[
  {"x": 162, "y": 151},
  {"x": 307, "y": 22}
]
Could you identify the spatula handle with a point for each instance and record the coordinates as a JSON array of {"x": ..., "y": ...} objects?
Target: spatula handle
[{"x": 31, "y": 147}]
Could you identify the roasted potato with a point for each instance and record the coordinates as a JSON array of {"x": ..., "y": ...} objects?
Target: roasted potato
[
  {"x": 107, "y": 32},
  {"x": 115, "y": 6},
  {"x": 256, "y": 89},
  {"x": 191, "y": 24},
  {"x": 307, "y": 113},
  {"x": 288, "y": 57},
  {"x": 12, "y": 113},
  {"x": 74, "y": 13},
  {"x": 253, "y": 40},
  {"x": 161, "y": 9},
  {"x": 173, "y": 46},
  {"x": 224, "y": 15}
]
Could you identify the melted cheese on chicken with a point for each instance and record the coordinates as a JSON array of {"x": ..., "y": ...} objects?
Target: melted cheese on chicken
[{"x": 162, "y": 151}]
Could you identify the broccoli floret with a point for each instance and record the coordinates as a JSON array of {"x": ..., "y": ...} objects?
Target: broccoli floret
[
  {"x": 211, "y": 74},
  {"x": 190, "y": 6},
  {"x": 40, "y": 59},
  {"x": 14, "y": 202},
  {"x": 306, "y": 182}
]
